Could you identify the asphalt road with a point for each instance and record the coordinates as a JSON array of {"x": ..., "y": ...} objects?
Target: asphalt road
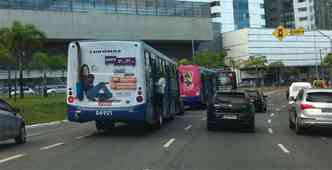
[{"x": 182, "y": 144}]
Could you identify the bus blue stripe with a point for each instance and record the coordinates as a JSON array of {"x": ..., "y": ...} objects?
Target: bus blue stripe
[{"x": 84, "y": 114}]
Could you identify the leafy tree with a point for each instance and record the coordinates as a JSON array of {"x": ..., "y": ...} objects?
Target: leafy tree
[
  {"x": 21, "y": 39},
  {"x": 58, "y": 63},
  {"x": 7, "y": 62},
  {"x": 42, "y": 62},
  {"x": 184, "y": 61},
  {"x": 327, "y": 63},
  {"x": 275, "y": 68},
  {"x": 209, "y": 59},
  {"x": 256, "y": 62},
  {"x": 235, "y": 64}
]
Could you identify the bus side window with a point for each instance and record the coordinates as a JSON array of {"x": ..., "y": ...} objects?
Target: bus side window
[{"x": 147, "y": 58}]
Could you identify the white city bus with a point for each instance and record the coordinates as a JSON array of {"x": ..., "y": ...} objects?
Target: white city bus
[{"x": 120, "y": 81}]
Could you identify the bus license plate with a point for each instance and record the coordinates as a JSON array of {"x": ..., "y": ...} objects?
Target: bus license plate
[
  {"x": 233, "y": 117},
  {"x": 104, "y": 113}
]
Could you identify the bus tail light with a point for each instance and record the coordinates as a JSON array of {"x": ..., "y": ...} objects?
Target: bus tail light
[
  {"x": 140, "y": 93},
  {"x": 71, "y": 99},
  {"x": 139, "y": 99}
]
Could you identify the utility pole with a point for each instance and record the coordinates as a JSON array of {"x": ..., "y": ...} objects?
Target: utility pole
[{"x": 316, "y": 58}]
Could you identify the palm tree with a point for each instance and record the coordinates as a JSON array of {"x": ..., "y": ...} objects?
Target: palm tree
[
  {"x": 21, "y": 40},
  {"x": 7, "y": 62},
  {"x": 256, "y": 62},
  {"x": 58, "y": 63},
  {"x": 41, "y": 62}
]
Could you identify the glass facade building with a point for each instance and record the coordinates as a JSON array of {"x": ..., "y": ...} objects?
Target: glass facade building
[
  {"x": 238, "y": 14},
  {"x": 135, "y": 7}
]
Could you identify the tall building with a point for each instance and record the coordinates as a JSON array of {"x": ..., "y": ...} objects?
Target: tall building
[
  {"x": 279, "y": 12},
  {"x": 238, "y": 14},
  {"x": 311, "y": 14}
]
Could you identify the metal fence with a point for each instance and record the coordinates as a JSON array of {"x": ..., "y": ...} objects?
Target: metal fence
[{"x": 136, "y": 7}]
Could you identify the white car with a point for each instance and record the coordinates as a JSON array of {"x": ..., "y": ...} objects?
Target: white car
[
  {"x": 295, "y": 88},
  {"x": 57, "y": 90},
  {"x": 26, "y": 91}
]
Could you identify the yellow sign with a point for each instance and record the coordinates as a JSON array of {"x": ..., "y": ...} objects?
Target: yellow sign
[
  {"x": 280, "y": 33},
  {"x": 297, "y": 32}
]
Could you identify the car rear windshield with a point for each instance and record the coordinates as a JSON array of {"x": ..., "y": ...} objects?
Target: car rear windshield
[
  {"x": 229, "y": 97},
  {"x": 320, "y": 97}
]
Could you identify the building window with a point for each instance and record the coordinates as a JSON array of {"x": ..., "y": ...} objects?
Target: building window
[
  {"x": 300, "y": 1},
  {"x": 262, "y": 6},
  {"x": 303, "y": 9},
  {"x": 303, "y": 18}
]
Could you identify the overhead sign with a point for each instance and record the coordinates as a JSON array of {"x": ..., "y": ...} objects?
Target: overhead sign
[{"x": 297, "y": 32}]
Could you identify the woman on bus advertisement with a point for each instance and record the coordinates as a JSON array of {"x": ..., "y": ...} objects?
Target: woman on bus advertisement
[{"x": 86, "y": 87}]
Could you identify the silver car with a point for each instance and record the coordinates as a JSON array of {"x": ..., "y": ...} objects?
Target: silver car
[
  {"x": 12, "y": 125},
  {"x": 311, "y": 108}
]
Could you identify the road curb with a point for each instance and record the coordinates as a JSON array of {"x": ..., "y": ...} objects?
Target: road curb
[{"x": 46, "y": 124}]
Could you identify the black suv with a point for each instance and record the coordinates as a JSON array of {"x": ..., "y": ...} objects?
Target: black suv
[
  {"x": 231, "y": 108},
  {"x": 259, "y": 100}
]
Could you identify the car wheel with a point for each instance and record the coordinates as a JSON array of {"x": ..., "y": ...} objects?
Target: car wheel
[
  {"x": 22, "y": 138},
  {"x": 252, "y": 126},
  {"x": 291, "y": 124},
  {"x": 265, "y": 109},
  {"x": 160, "y": 121},
  {"x": 298, "y": 128},
  {"x": 210, "y": 126},
  {"x": 53, "y": 93}
]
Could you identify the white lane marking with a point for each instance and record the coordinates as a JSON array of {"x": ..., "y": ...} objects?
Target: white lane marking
[
  {"x": 272, "y": 114},
  {"x": 36, "y": 134},
  {"x": 278, "y": 110},
  {"x": 270, "y": 131},
  {"x": 51, "y": 146},
  {"x": 166, "y": 145},
  {"x": 188, "y": 127},
  {"x": 46, "y": 124},
  {"x": 269, "y": 121},
  {"x": 11, "y": 158},
  {"x": 283, "y": 148},
  {"x": 203, "y": 118},
  {"x": 83, "y": 136}
]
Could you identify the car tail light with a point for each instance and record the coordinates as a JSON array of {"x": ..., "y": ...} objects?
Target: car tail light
[
  {"x": 71, "y": 99},
  {"x": 139, "y": 99},
  {"x": 305, "y": 106}
]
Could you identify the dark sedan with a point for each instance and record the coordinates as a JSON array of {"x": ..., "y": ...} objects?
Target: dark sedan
[
  {"x": 231, "y": 108},
  {"x": 12, "y": 125},
  {"x": 259, "y": 100}
]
